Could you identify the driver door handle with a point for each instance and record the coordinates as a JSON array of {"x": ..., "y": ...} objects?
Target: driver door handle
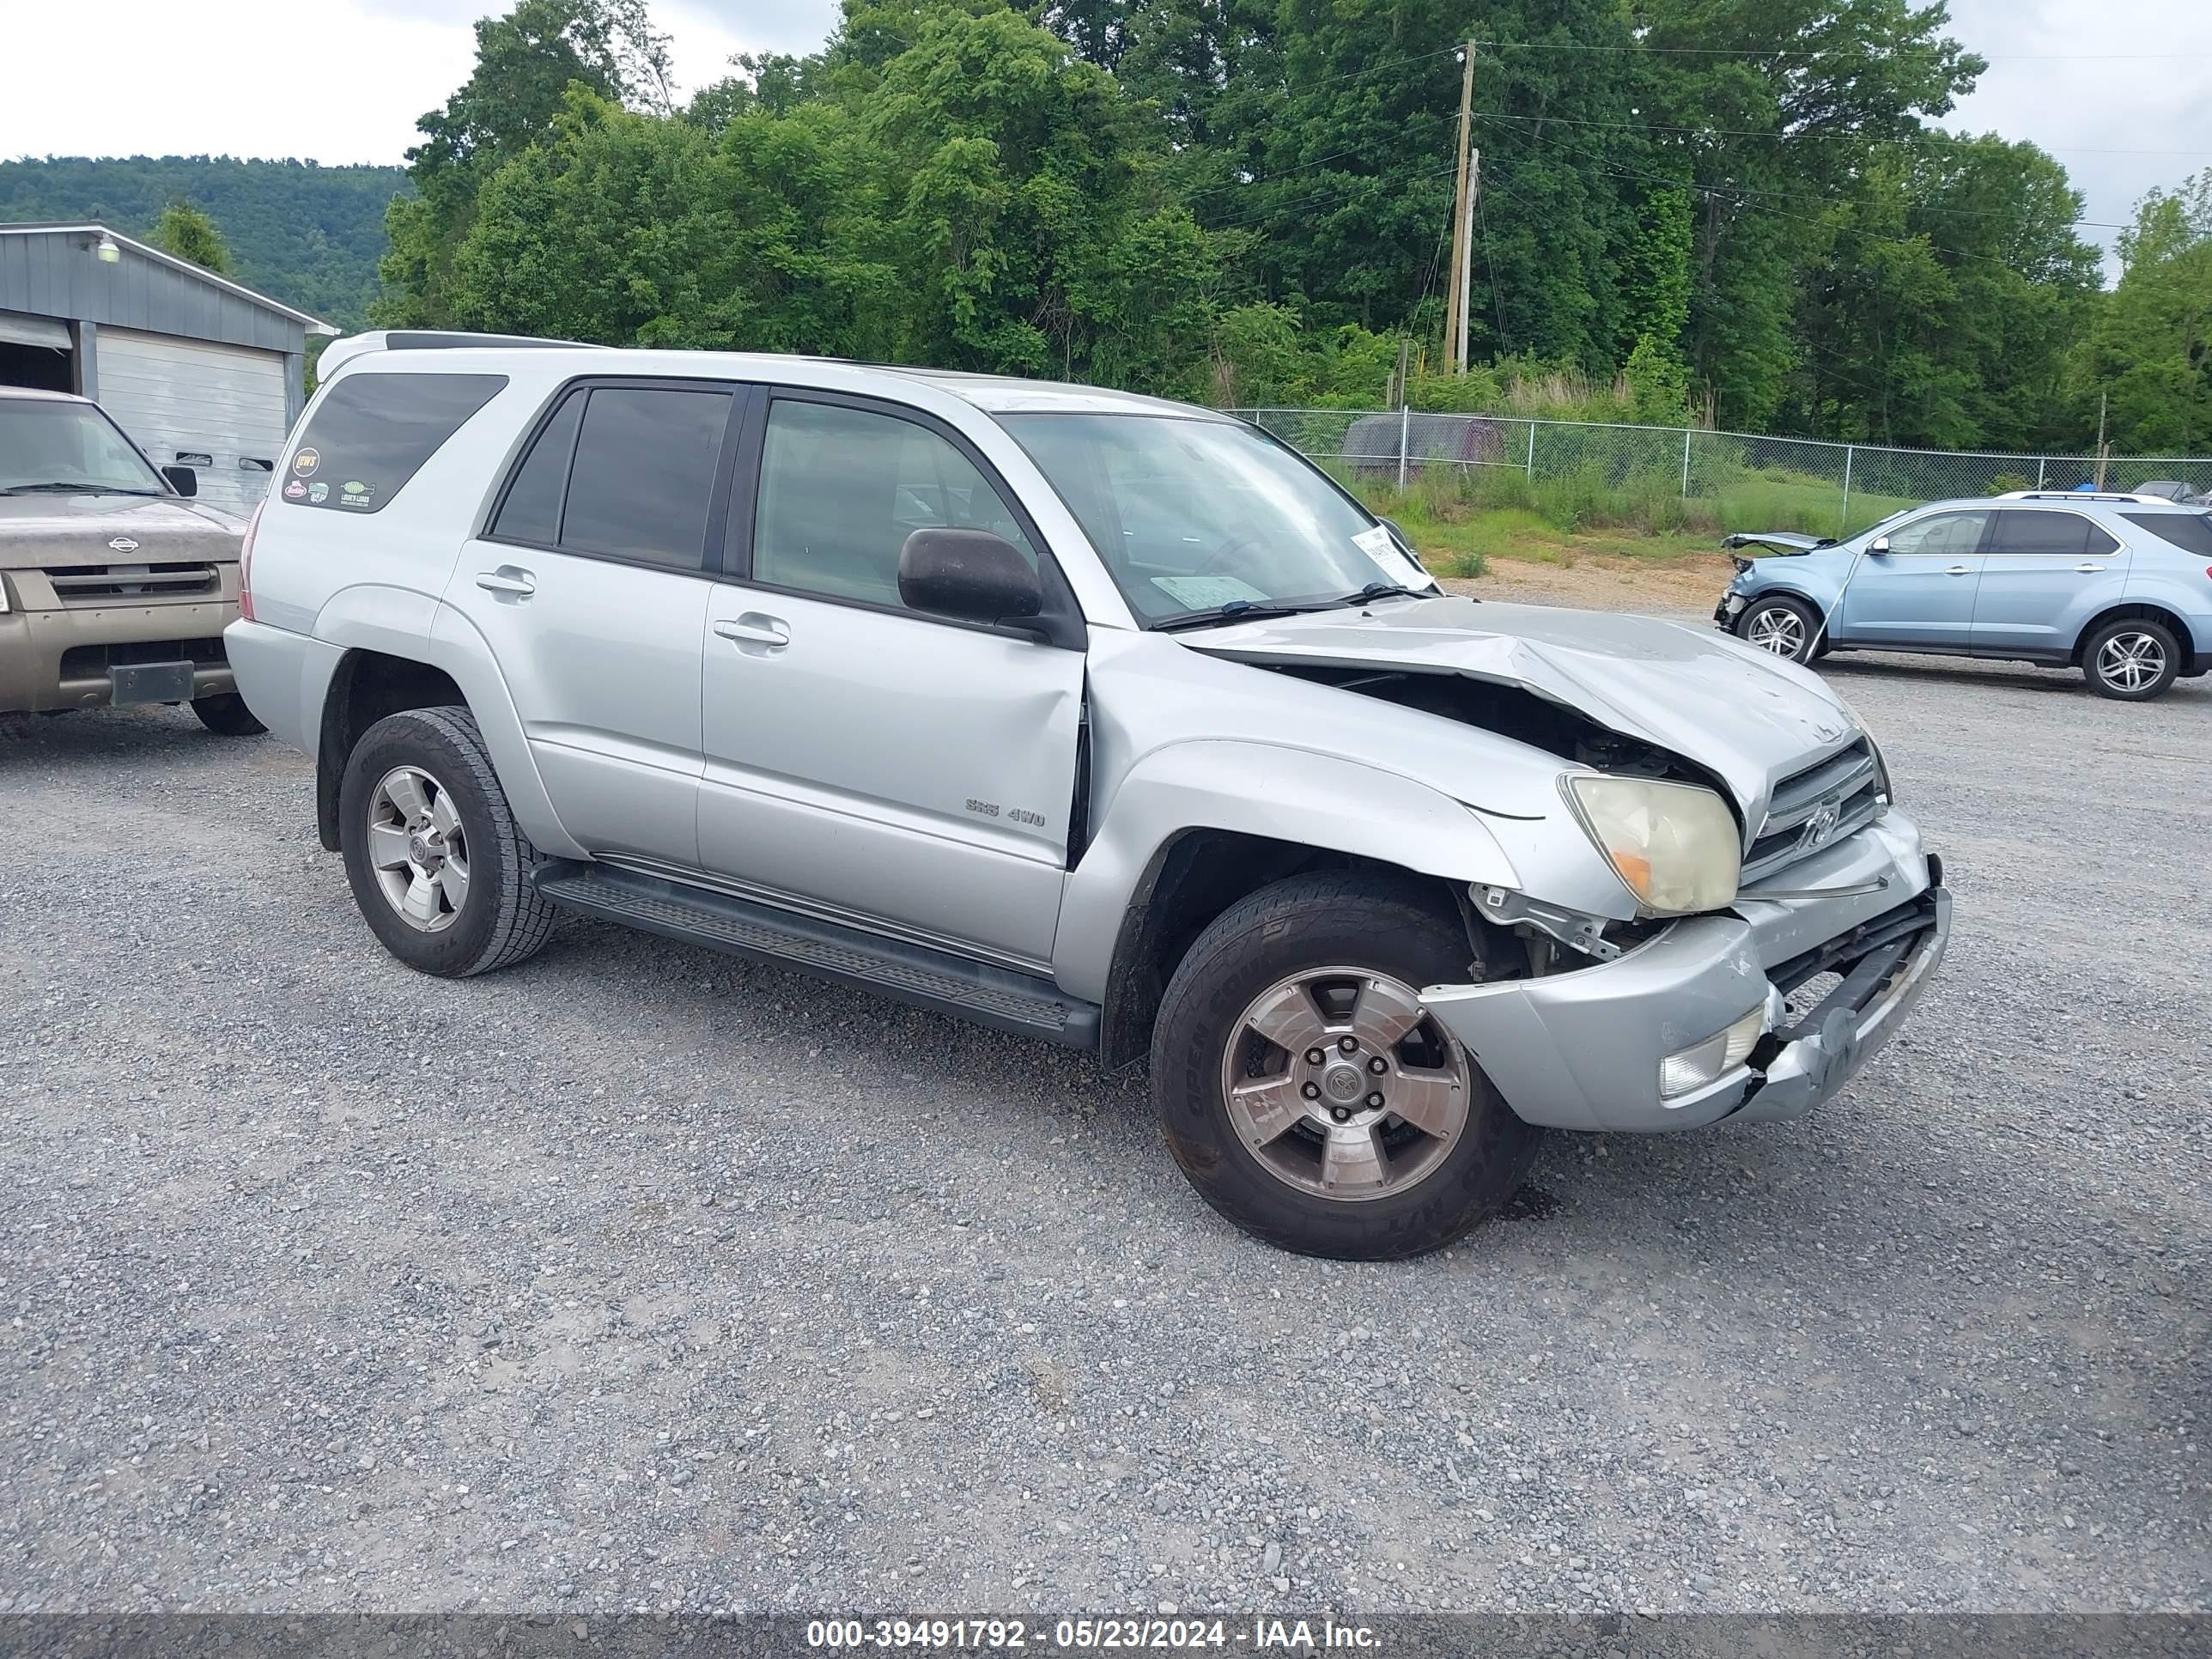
[
  {"x": 1958, "y": 570},
  {"x": 2087, "y": 568}
]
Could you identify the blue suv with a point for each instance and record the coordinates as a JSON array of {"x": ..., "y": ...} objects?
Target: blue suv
[{"x": 2118, "y": 586}]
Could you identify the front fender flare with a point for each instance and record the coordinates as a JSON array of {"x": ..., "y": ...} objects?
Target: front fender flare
[{"x": 1274, "y": 791}]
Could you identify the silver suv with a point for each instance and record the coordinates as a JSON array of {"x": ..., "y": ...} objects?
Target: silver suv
[{"x": 1095, "y": 719}]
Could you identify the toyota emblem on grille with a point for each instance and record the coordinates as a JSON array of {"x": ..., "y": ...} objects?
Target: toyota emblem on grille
[
  {"x": 123, "y": 544},
  {"x": 1821, "y": 826}
]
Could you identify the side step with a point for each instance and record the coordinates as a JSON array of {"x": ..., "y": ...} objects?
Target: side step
[{"x": 936, "y": 979}]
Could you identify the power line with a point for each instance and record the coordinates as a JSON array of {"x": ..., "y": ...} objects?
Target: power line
[
  {"x": 1490, "y": 268},
  {"x": 2179, "y": 51},
  {"x": 1799, "y": 137},
  {"x": 1785, "y": 195}
]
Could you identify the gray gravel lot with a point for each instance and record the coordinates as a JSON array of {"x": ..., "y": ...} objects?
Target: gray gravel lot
[{"x": 640, "y": 1277}]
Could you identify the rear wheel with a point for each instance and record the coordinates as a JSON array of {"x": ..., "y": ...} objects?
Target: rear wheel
[
  {"x": 225, "y": 711},
  {"x": 438, "y": 867},
  {"x": 1305, "y": 1092},
  {"x": 1789, "y": 627},
  {"x": 2133, "y": 659}
]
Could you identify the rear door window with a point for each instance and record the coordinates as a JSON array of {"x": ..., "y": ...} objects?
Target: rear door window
[
  {"x": 2054, "y": 534},
  {"x": 373, "y": 431},
  {"x": 642, "y": 483},
  {"x": 531, "y": 511}
]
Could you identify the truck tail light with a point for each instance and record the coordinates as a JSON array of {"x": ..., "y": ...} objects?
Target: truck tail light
[{"x": 245, "y": 563}]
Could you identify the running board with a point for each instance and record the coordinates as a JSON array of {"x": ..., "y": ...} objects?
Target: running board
[{"x": 935, "y": 980}]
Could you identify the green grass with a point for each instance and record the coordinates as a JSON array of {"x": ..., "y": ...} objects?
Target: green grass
[{"x": 1466, "y": 518}]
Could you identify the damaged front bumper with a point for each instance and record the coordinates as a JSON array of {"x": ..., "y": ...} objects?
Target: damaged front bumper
[{"x": 1584, "y": 1049}]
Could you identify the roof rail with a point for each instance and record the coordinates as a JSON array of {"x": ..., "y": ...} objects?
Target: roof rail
[
  {"x": 2083, "y": 496},
  {"x": 343, "y": 351}
]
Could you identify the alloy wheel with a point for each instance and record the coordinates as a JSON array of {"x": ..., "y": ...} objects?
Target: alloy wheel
[
  {"x": 1339, "y": 1083},
  {"x": 2131, "y": 661},
  {"x": 417, "y": 848},
  {"x": 1779, "y": 629}
]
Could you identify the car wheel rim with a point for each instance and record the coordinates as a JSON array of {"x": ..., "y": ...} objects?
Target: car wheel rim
[
  {"x": 1782, "y": 632},
  {"x": 2131, "y": 661},
  {"x": 417, "y": 848},
  {"x": 1340, "y": 1083}
]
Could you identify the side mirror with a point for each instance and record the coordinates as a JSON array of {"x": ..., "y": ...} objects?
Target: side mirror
[
  {"x": 970, "y": 574},
  {"x": 182, "y": 479},
  {"x": 1880, "y": 544}
]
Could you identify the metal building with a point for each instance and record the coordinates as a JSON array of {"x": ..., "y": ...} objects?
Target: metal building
[{"x": 200, "y": 371}]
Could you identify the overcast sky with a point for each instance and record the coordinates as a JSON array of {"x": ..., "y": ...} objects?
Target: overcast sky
[{"x": 343, "y": 80}]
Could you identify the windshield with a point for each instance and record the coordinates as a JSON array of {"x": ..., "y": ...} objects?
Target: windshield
[
  {"x": 1193, "y": 515},
  {"x": 51, "y": 448}
]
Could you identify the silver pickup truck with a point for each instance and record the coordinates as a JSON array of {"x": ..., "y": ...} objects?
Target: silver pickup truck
[{"x": 1097, "y": 718}]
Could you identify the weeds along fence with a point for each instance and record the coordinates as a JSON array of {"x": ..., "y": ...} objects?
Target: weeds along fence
[{"x": 1663, "y": 478}]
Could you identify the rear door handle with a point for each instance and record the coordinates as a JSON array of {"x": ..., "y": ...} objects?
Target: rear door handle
[
  {"x": 509, "y": 581},
  {"x": 2088, "y": 569},
  {"x": 755, "y": 633},
  {"x": 1960, "y": 570}
]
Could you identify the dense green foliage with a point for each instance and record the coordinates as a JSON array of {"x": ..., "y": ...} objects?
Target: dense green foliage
[
  {"x": 308, "y": 235},
  {"x": 1738, "y": 211},
  {"x": 189, "y": 234}
]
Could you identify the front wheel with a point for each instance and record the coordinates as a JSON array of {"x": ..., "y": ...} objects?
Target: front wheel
[
  {"x": 1789, "y": 627},
  {"x": 1307, "y": 1094},
  {"x": 2133, "y": 659}
]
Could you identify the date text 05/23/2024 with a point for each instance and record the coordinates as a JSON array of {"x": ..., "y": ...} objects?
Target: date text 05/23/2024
[{"x": 1095, "y": 1635}]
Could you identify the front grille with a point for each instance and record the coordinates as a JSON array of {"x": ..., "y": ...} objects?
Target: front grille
[
  {"x": 1847, "y": 784},
  {"x": 99, "y": 584},
  {"x": 92, "y": 662}
]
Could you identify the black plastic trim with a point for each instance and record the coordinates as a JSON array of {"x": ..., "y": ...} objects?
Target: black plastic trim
[{"x": 939, "y": 981}]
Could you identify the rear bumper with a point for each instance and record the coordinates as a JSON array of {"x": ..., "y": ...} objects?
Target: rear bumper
[
  {"x": 33, "y": 644},
  {"x": 1583, "y": 1049}
]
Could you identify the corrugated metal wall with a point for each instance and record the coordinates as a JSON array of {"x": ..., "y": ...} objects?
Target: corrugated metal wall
[{"x": 57, "y": 273}]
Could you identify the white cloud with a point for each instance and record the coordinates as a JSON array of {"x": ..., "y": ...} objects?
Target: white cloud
[{"x": 2098, "y": 88}]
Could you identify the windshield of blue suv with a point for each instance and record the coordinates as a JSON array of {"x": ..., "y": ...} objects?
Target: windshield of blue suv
[
  {"x": 49, "y": 447},
  {"x": 1197, "y": 517}
]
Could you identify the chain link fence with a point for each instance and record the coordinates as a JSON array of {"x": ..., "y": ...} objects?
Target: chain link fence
[{"x": 1579, "y": 471}]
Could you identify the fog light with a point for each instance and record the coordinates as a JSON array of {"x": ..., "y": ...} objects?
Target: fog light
[{"x": 1706, "y": 1062}]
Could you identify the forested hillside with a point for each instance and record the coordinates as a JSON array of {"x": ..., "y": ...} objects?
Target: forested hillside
[{"x": 308, "y": 235}]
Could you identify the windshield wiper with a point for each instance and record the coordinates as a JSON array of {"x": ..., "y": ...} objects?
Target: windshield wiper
[
  {"x": 1237, "y": 611},
  {"x": 1384, "y": 590},
  {"x": 73, "y": 489}
]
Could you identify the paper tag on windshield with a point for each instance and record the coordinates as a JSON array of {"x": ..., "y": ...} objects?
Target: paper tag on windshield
[
  {"x": 1380, "y": 545},
  {"x": 1205, "y": 593}
]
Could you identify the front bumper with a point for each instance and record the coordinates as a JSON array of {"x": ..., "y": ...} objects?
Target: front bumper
[
  {"x": 1728, "y": 608},
  {"x": 1581, "y": 1049},
  {"x": 36, "y": 675}
]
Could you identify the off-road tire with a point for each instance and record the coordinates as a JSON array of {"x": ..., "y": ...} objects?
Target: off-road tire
[
  {"x": 226, "y": 713},
  {"x": 503, "y": 920},
  {"x": 1811, "y": 633},
  {"x": 2092, "y": 654},
  {"x": 1362, "y": 920}
]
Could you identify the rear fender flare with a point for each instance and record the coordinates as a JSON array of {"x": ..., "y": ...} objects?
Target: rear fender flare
[{"x": 402, "y": 623}]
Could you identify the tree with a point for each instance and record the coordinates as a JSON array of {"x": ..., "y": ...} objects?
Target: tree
[
  {"x": 2151, "y": 350},
  {"x": 189, "y": 234}
]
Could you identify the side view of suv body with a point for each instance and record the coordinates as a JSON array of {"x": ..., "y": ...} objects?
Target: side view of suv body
[
  {"x": 2118, "y": 586},
  {"x": 115, "y": 586},
  {"x": 1101, "y": 719}
]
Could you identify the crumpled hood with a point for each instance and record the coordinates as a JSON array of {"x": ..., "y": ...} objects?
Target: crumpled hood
[
  {"x": 1747, "y": 717},
  {"x": 46, "y": 531}
]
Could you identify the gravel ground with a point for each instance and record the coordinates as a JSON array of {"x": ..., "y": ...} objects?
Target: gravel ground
[{"x": 638, "y": 1277}]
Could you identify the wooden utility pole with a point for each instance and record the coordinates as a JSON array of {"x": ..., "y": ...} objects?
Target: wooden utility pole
[
  {"x": 2102, "y": 398},
  {"x": 1466, "y": 267},
  {"x": 1462, "y": 266}
]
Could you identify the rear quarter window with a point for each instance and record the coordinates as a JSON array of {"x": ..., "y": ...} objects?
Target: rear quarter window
[
  {"x": 2189, "y": 531},
  {"x": 372, "y": 432}
]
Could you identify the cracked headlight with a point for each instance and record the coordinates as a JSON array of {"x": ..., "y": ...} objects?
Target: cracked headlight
[{"x": 1674, "y": 846}]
